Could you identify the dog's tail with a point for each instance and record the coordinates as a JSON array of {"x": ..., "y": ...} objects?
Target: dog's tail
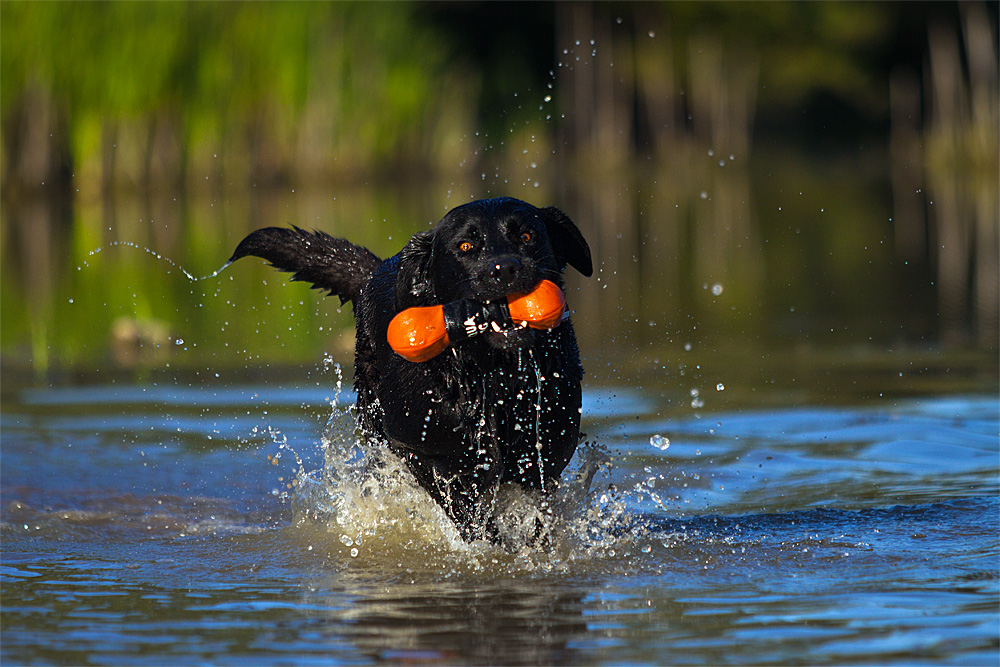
[{"x": 329, "y": 263}]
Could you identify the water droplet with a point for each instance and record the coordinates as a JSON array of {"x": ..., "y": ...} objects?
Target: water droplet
[
  {"x": 660, "y": 442},
  {"x": 717, "y": 289},
  {"x": 720, "y": 387}
]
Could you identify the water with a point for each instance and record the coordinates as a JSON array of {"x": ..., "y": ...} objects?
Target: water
[{"x": 186, "y": 520}]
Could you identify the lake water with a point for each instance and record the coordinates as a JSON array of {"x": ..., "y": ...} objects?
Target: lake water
[
  {"x": 833, "y": 518},
  {"x": 790, "y": 338},
  {"x": 791, "y": 454}
]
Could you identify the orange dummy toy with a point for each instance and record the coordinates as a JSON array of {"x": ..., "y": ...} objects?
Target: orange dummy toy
[{"x": 423, "y": 332}]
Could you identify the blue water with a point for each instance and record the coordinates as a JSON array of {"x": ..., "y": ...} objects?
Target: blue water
[{"x": 190, "y": 523}]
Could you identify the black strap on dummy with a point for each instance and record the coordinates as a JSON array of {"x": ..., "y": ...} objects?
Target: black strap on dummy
[{"x": 466, "y": 318}]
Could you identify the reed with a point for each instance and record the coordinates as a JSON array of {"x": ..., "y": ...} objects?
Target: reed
[{"x": 134, "y": 96}]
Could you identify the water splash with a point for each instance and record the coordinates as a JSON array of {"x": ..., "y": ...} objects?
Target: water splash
[
  {"x": 661, "y": 442},
  {"x": 538, "y": 418},
  {"x": 149, "y": 251},
  {"x": 364, "y": 508}
]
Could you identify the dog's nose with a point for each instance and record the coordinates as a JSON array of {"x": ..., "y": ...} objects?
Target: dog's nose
[{"x": 505, "y": 270}]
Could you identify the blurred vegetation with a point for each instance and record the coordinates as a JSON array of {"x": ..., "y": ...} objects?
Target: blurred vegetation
[
  {"x": 810, "y": 159},
  {"x": 169, "y": 93}
]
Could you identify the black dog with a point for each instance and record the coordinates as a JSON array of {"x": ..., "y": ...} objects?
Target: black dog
[{"x": 503, "y": 406}]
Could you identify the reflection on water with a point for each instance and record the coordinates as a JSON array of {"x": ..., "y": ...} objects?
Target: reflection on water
[
  {"x": 704, "y": 228},
  {"x": 722, "y": 255},
  {"x": 181, "y": 521}
]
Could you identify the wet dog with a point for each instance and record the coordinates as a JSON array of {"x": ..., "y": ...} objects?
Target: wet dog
[{"x": 500, "y": 401}]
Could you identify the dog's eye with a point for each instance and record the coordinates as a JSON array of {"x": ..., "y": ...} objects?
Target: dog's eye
[
  {"x": 465, "y": 246},
  {"x": 526, "y": 236}
]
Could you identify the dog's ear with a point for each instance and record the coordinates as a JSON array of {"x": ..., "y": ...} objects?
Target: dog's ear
[
  {"x": 568, "y": 243},
  {"x": 329, "y": 263},
  {"x": 415, "y": 278}
]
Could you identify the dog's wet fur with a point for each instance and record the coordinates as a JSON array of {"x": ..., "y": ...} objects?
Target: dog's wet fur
[{"x": 503, "y": 407}]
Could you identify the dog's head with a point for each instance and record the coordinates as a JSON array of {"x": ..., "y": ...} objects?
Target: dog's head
[{"x": 487, "y": 250}]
